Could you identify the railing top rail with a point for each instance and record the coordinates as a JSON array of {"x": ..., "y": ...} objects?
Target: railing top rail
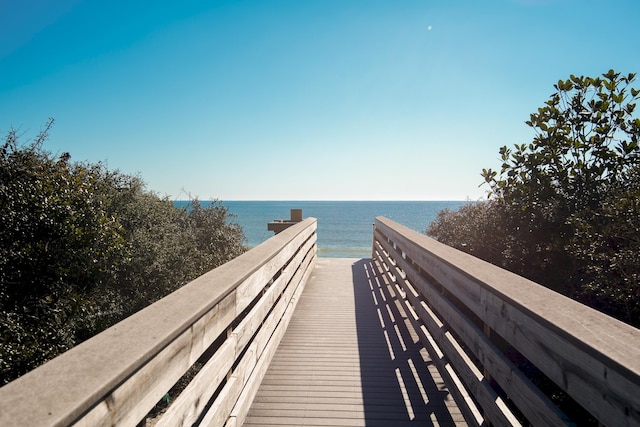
[
  {"x": 609, "y": 340},
  {"x": 76, "y": 380}
]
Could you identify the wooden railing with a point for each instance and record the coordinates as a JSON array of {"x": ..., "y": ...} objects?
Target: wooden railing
[
  {"x": 227, "y": 322},
  {"x": 482, "y": 323}
]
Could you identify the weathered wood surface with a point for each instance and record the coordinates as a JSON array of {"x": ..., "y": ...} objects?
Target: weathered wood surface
[
  {"x": 351, "y": 358},
  {"x": 116, "y": 377},
  {"x": 594, "y": 358}
]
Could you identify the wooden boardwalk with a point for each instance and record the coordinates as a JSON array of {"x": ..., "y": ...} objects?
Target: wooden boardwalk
[{"x": 351, "y": 358}]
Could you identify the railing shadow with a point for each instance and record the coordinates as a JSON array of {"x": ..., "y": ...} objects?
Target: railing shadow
[{"x": 400, "y": 386}]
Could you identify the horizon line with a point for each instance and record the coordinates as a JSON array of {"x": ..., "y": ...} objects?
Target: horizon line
[{"x": 330, "y": 200}]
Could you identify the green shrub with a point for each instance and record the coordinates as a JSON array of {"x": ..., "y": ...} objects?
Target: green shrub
[
  {"x": 82, "y": 247},
  {"x": 563, "y": 211}
]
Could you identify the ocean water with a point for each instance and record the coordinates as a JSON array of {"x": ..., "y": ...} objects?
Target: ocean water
[{"x": 344, "y": 228}]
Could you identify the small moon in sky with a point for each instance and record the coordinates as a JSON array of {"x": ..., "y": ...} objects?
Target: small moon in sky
[{"x": 429, "y": 28}]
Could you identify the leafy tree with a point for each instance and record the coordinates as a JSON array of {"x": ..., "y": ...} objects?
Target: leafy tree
[
  {"x": 467, "y": 229},
  {"x": 82, "y": 247},
  {"x": 167, "y": 246},
  {"x": 567, "y": 203},
  {"x": 56, "y": 242},
  {"x": 606, "y": 247},
  {"x": 586, "y": 142}
]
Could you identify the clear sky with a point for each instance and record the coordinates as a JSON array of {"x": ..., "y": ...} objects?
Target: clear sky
[{"x": 300, "y": 99}]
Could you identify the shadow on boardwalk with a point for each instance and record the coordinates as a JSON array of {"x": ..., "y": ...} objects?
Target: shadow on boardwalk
[
  {"x": 349, "y": 358},
  {"x": 399, "y": 383}
]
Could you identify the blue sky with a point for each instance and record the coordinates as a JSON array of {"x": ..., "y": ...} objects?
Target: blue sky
[{"x": 300, "y": 100}]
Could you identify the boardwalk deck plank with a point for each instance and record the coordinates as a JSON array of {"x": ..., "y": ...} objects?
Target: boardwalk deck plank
[{"x": 350, "y": 358}]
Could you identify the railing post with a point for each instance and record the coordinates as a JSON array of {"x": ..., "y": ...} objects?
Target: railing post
[
  {"x": 373, "y": 240},
  {"x": 278, "y": 225}
]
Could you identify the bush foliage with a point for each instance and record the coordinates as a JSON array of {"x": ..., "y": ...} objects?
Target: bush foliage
[
  {"x": 82, "y": 247},
  {"x": 564, "y": 210}
]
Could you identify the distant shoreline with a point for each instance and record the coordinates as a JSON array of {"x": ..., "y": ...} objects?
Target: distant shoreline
[{"x": 344, "y": 227}]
